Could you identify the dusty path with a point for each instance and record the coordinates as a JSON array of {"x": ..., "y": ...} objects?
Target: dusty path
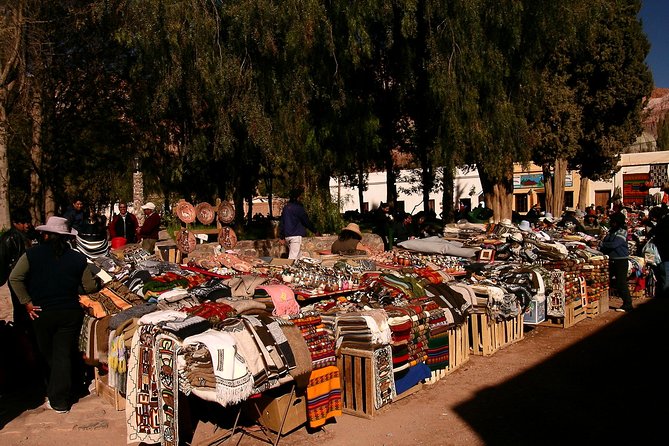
[{"x": 598, "y": 381}]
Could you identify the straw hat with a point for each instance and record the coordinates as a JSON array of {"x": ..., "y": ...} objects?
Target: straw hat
[
  {"x": 525, "y": 226},
  {"x": 57, "y": 225},
  {"x": 549, "y": 217},
  {"x": 353, "y": 227},
  {"x": 506, "y": 222}
]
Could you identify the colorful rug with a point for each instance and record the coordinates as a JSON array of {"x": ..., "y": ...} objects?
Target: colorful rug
[{"x": 323, "y": 396}]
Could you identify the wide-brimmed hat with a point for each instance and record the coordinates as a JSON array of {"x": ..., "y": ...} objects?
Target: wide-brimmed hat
[
  {"x": 549, "y": 217},
  {"x": 149, "y": 205},
  {"x": 353, "y": 227},
  {"x": 525, "y": 226},
  {"x": 506, "y": 222},
  {"x": 57, "y": 225}
]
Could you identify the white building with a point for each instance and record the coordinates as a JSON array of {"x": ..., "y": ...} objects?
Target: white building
[{"x": 633, "y": 180}]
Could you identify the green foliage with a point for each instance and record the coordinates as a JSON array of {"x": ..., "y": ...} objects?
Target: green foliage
[{"x": 324, "y": 214}]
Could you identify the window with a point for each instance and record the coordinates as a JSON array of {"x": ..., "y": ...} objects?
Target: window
[
  {"x": 520, "y": 202},
  {"x": 365, "y": 206},
  {"x": 569, "y": 199},
  {"x": 399, "y": 206}
]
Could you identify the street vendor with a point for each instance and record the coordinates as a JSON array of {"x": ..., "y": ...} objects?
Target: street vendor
[
  {"x": 349, "y": 241},
  {"x": 615, "y": 246}
]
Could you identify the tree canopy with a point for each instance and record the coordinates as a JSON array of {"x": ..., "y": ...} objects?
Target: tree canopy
[{"x": 229, "y": 99}]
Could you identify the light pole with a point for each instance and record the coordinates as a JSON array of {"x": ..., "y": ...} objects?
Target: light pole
[{"x": 137, "y": 188}]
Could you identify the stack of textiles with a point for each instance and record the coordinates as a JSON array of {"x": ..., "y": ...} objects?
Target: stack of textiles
[
  {"x": 456, "y": 306},
  {"x": 408, "y": 347},
  {"x": 399, "y": 322},
  {"x": 319, "y": 341},
  {"x": 437, "y": 345},
  {"x": 324, "y": 387},
  {"x": 364, "y": 330}
]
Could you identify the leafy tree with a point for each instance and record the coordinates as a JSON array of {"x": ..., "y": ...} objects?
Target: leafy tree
[{"x": 611, "y": 81}]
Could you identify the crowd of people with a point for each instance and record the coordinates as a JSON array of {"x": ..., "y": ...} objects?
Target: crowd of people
[{"x": 46, "y": 272}]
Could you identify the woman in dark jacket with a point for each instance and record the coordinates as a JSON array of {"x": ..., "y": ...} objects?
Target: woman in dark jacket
[
  {"x": 615, "y": 246},
  {"x": 46, "y": 280}
]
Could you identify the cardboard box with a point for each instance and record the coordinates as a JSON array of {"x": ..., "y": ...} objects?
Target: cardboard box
[
  {"x": 535, "y": 313},
  {"x": 273, "y": 409}
]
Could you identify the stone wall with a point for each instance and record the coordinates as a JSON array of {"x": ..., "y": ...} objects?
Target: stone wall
[{"x": 311, "y": 246}]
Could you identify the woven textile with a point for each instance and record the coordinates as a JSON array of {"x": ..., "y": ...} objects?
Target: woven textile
[
  {"x": 142, "y": 408},
  {"x": 658, "y": 174},
  {"x": 384, "y": 382},
  {"x": 234, "y": 383},
  {"x": 168, "y": 387},
  {"x": 323, "y": 396}
]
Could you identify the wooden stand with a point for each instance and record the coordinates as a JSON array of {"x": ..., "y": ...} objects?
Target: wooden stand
[
  {"x": 458, "y": 352},
  {"x": 598, "y": 307},
  {"x": 356, "y": 368},
  {"x": 574, "y": 313},
  {"x": 110, "y": 394},
  {"x": 487, "y": 336}
]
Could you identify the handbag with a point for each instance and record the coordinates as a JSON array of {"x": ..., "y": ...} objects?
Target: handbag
[{"x": 650, "y": 252}]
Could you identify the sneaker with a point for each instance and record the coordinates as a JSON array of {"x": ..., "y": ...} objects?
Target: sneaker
[{"x": 48, "y": 406}]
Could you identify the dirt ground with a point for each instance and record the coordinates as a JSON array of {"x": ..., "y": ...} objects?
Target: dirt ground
[{"x": 601, "y": 380}]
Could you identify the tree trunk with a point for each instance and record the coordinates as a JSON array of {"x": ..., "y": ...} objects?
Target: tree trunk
[
  {"x": 36, "y": 187},
  {"x": 361, "y": 188},
  {"x": 4, "y": 168},
  {"x": 559, "y": 174},
  {"x": 554, "y": 186},
  {"x": 498, "y": 195},
  {"x": 447, "y": 202},
  {"x": 548, "y": 188},
  {"x": 583, "y": 193},
  {"x": 428, "y": 184},
  {"x": 391, "y": 180}
]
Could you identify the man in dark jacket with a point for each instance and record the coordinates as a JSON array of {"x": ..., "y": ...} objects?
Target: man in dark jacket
[
  {"x": 13, "y": 244},
  {"x": 615, "y": 246},
  {"x": 294, "y": 224},
  {"x": 124, "y": 224}
]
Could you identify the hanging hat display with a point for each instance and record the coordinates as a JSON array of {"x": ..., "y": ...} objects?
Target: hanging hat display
[
  {"x": 226, "y": 212},
  {"x": 185, "y": 211},
  {"x": 205, "y": 213},
  {"x": 227, "y": 237},
  {"x": 186, "y": 241}
]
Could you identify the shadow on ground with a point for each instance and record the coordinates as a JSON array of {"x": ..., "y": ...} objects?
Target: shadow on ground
[{"x": 612, "y": 386}]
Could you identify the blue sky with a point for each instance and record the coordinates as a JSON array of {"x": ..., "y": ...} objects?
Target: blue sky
[{"x": 655, "y": 18}]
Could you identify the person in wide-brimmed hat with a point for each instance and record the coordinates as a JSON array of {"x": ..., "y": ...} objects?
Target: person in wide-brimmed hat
[
  {"x": 46, "y": 280},
  {"x": 349, "y": 241},
  {"x": 149, "y": 230}
]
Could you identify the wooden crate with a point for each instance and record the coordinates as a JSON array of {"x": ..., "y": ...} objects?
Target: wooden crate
[
  {"x": 111, "y": 395},
  {"x": 487, "y": 336},
  {"x": 458, "y": 352},
  {"x": 598, "y": 306},
  {"x": 574, "y": 313},
  {"x": 356, "y": 368}
]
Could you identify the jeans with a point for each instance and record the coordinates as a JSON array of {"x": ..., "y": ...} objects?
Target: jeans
[
  {"x": 618, "y": 269},
  {"x": 57, "y": 335}
]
